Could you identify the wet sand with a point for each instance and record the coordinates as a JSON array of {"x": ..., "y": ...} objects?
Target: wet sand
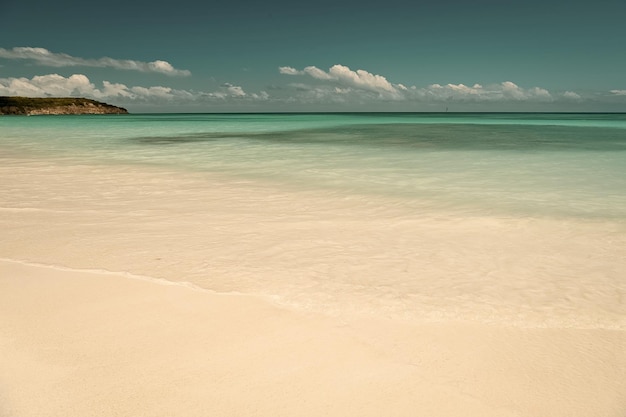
[
  {"x": 78, "y": 343},
  {"x": 235, "y": 298}
]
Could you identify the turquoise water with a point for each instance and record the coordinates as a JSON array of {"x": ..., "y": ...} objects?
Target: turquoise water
[
  {"x": 500, "y": 218},
  {"x": 559, "y": 165}
]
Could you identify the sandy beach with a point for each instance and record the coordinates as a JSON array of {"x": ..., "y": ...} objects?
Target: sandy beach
[
  {"x": 85, "y": 343},
  {"x": 128, "y": 290},
  {"x": 312, "y": 208}
]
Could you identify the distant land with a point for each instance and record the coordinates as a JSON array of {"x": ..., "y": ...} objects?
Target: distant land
[{"x": 55, "y": 105}]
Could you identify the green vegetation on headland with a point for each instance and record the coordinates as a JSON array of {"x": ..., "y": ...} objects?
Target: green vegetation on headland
[{"x": 55, "y": 105}]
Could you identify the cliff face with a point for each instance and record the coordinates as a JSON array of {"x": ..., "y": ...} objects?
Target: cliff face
[{"x": 36, "y": 106}]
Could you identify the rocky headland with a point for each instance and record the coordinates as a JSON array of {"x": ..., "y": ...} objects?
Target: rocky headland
[{"x": 66, "y": 105}]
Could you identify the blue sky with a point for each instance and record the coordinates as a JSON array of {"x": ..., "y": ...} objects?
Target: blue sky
[{"x": 319, "y": 55}]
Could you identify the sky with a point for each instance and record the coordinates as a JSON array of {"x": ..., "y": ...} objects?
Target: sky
[{"x": 319, "y": 55}]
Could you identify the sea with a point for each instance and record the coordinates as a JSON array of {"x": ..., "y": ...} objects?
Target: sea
[{"x": 497, "y": 217}]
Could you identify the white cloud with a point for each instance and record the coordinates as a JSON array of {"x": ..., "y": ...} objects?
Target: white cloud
[
  {"x": 164, "y": 67},
  {"x": 511, "y": 90},
  {"x": 570, "y": 95},
  {"x": 47, "y": 85},
  {"x": 231, "y": 91},
  {"x": 359, "y": 79},
  {"x": 317, "y": 73},
  {"x": 44, "y": 57},
  {"x": 540, "y": 94},
  {"x": 234, "y": 90},
  {"x": 20, "y": 87},
  {"x": 156, "y": 91},
  {"x": 289, "y": 71},
  {"x": 506, "y": 91},
  {"x": 115, "y": 90},
  {"x": 78, "y": 85},
  {"x": 325, "y": 94}
]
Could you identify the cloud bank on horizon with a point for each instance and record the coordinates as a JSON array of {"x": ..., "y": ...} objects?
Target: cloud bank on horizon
[
  {"x": 337, "y": 85},
  {"x": 80, "y": 85},
  {"x": 364, "y": 80}
]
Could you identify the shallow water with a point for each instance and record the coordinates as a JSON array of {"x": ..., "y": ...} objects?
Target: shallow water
[
  {"x": 535, "y": 164},
  {"x": 516, "y": 218}
]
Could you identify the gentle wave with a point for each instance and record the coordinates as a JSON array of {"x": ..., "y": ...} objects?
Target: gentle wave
[{"x": 429, "y": 217}]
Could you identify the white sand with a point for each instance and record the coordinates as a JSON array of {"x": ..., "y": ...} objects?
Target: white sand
[
  {"x": 338, "y": 306},
  {"x": 335, "y": 254},
  {"x": 87, "y": 344}
]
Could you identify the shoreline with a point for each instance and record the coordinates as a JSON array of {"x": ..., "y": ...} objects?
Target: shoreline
[
  {"x": 314, "y": 251},
  {"x": 88, "y": 343},
  {"x": 244, "y": 298}
]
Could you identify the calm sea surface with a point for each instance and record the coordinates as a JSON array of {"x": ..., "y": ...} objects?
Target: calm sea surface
[
  {"x": 506, "y": 218},
  {"x": 518, "y": 164}
]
